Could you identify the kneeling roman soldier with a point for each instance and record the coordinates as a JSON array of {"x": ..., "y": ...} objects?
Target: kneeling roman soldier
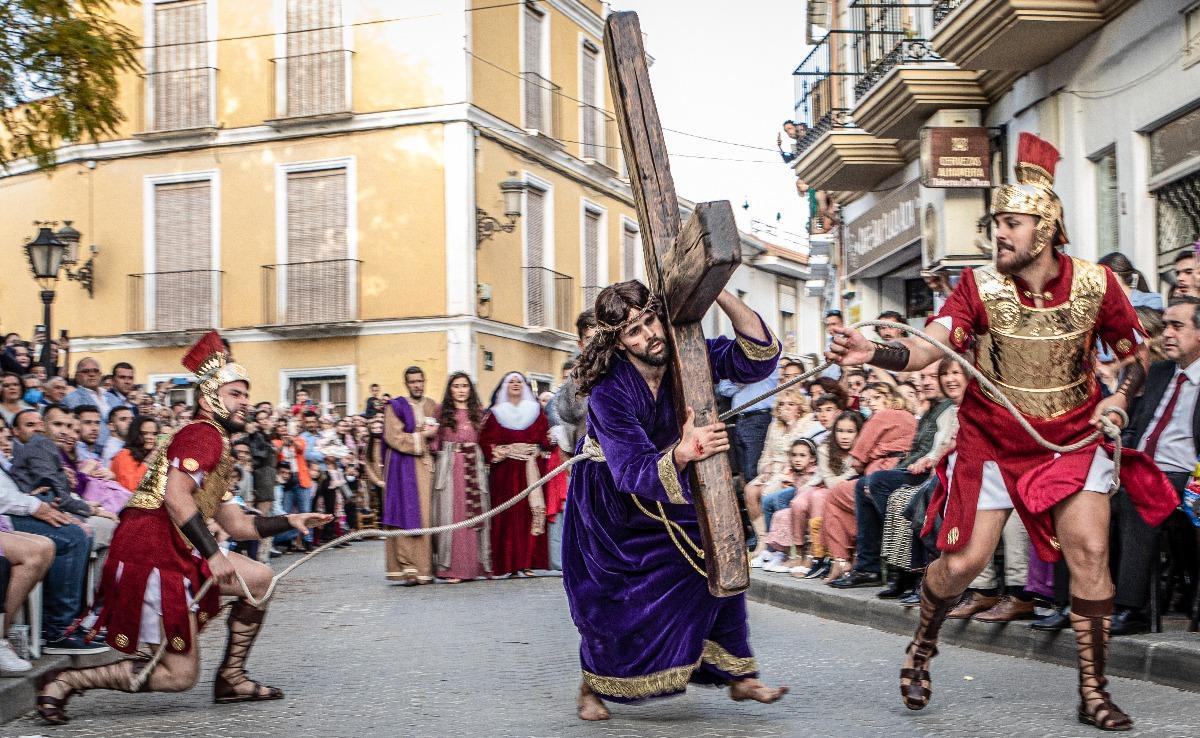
[{"x": 162, "y": 553}]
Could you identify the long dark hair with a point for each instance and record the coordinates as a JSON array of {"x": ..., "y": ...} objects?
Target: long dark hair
[
  {"x": 839, "y": 459},
  {"x": 612, "y": 308},
  {"x": 135, "y": 438},
  {"x": 474, "y": 407}
]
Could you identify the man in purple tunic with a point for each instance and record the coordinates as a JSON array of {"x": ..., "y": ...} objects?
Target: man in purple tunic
[{"x": 632, "y": 561}]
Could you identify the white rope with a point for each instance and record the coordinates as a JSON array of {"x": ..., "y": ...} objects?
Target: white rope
[{"x": 1108, "y": 428}]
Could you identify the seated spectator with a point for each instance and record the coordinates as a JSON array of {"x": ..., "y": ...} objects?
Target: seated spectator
[
  {"x": 802, "y": 475},
  {"x": 24, "y": 560},
  {"x": 119, "y": 420},
  {"x": 87, "y": 418},
  {"x": 773, "y": 463},
  {"x": 62, "y": 598},
  {"x": 853, "y": 383},
  {"x": 886, "y": 438},
  {"x": 92, "y": 483},
  {"x": 934, "y": 433},
  {"x": 37, "y": 462},
  {"x": 129, "y": 465},
  {"x": 806, "y": 510},
  {"x": 54, "y": 391},
  {"x": 11, "y": 401},
  {"x": 1133, "y": 283},
  {"x": 826, "y": 409},
  {"x": 32, "y": 385}
]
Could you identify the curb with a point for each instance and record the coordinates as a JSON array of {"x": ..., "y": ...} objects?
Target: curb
[
  {"x": 17, "y": 692},
  {"x": 1171, "y": 658}
]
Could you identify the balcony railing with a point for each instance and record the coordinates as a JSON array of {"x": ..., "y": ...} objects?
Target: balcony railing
[
  {"x": 309, "y": 292},
  {"x": 820, "y": 95},
  {"x": 178, "y": 100},
  {"x": 599, "y": 138},
  {"x": 542, "y": 109},
  {"x": 316, "y": 84},
  {"x": 943, "y": 8},
  {"x": 548, "y": 299},
  {"x": 906, "y": 51},
  {"x": 174, "y": 301}
]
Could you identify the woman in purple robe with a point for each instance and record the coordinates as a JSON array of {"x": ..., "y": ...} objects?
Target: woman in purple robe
[{"x": 632, "y": 562}]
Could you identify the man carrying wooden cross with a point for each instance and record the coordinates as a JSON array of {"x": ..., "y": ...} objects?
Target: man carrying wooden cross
[{"x": 633, "y": 567}]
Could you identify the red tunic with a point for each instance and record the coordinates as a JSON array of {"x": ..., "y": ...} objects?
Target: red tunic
[
  {"x": 1035, "y": 479},
  {"x": 513, "y": 546},
  {"x": 147, "y": 545}
]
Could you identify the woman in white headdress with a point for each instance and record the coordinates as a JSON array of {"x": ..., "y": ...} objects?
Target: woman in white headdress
[{"x": 514, "y": 438}]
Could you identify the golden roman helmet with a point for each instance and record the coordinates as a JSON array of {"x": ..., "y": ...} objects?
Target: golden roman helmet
[
  {"x": 209, "y": 360},
  {"x": 1033, "y": 192}
]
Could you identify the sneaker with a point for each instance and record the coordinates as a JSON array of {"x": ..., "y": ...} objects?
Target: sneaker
[
  {"x": 72, "y": 645},
  {"x": 762, "y": 558},
  {"x": 781, "y": 566},
  {"x": 10, "y": 662}
]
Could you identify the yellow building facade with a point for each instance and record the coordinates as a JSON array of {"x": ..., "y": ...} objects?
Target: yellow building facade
[{"x": 321, "y": 181}]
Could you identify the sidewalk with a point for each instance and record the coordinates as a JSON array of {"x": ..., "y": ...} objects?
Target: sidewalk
[
  {"x": 1171, "y": 657},
  {"x": 17, "y": 692}
]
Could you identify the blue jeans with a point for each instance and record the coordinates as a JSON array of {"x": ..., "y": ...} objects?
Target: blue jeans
[
  {"x": 554, "y": 533},
  {"x": 750, "y": 434},
  {"x": 776, "y": 501},
  {"x": 871, "y": 495},
  {"x": 298, "y": 499},
  {"x": 62, "y": 589}
]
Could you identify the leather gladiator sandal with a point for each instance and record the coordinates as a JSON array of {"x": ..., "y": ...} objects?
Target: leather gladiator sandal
[
  {"x": 245, "y": 621},
  {"x": 115, "y": 676},
  {"x": 1090, "y": 620},
  {"x": 916, "y": 684}
]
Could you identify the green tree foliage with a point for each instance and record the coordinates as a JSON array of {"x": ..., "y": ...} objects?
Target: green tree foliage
[{"x": 59, "y": 65}]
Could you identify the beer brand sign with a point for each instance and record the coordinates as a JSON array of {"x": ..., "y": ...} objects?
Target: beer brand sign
[
  {"x": 889, "y": 226},
  {"x": 955, "y": 157}
]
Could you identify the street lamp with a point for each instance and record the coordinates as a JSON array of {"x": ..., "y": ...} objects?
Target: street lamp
[
  {"x": 45, "y": 253},
  {"x": 84, "y": 274},
  {"x": 486, "y": 225}
]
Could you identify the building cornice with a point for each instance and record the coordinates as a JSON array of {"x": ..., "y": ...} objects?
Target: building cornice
[{"x": 581, "y": 15}]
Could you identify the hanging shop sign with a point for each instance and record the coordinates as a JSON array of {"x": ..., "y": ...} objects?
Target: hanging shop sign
[
  {"x": 889, "y": 226},
  {"x": 955, "y": 157}
]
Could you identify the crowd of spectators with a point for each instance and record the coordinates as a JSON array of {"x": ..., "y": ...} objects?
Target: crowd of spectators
[{"x": 838, "y": 476}]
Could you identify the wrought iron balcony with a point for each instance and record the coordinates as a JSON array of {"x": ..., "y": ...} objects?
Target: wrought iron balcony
[
  {"x": 943, "y": 8},
  {"x": 548, "y": 296},
  {"x": 315, "y": 85},
  {"x": 906, "y": 51},
  {"x": 310, "y": 292},
  {"x": 599, "y": 140},
  {"x": 821, "y": 103},
  {"x": 542, "y": 110},
  {"x": 178, "y": 101}
]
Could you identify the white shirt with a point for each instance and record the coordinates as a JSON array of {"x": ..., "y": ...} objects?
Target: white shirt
[
  {"x": 1176, "y": 450},
  {"x": 12, "y": 500}
]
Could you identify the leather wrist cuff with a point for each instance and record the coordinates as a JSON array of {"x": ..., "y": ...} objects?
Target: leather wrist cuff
[
  {"x": 271, "y": 526},
  {"x": 197, "y": 533},
  {"x": 892, "y": 357}
]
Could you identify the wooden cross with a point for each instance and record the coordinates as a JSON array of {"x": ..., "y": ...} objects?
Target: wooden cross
[{"x": 687, "y": 267}]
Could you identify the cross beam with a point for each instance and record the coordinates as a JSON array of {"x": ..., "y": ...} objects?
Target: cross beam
[{"x": 687, "y": 267}]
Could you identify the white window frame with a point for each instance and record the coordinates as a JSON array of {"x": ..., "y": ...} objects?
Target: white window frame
[
  {"x": 601, "y": 141},
  {"x": 282, "y": 170},
  {"x": 150, "y": 247},
  {"x": 545, "y": 53},
  {"x": 590, "y": 206},
  {"x": 349, "y": 371},
  {"x": 639, "y": 260},
  {"x": 153, "y": 380},
  {"x": 548, "y": 245},
  {"x": 279, "y": 19},
  {"x": 210, "y": 27}
]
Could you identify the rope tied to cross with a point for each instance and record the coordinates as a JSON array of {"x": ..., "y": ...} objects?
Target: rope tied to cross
[{"x": 591, "y": 451}]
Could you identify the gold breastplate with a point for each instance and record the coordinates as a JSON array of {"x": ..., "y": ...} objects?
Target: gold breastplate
[
  {"x": 151, "y": 492},
  {"x": 1040, "y": 358}
]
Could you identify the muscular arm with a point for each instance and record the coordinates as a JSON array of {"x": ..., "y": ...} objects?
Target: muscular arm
[
  {"x": 236, "y": 522},
  {"x": 745, "y": 321},
  {"x": 908, "y": 354}
]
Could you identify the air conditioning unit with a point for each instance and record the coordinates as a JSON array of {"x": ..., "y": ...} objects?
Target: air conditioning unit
[{"x": 953, "y": 231}]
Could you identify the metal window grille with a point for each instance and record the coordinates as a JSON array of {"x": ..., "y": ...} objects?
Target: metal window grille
[
  {"x": 181, "y": 78},
  {"x": 316, "y": 59},
  {"x": 183, "y": 280},
  {"x": 535, "y": 256},
  {"x": 318, "y": 273},
  {"x": 1178, "y": 215}
]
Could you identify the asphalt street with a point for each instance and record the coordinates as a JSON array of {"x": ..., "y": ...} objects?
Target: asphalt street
[{"x": 358, "y": 657}]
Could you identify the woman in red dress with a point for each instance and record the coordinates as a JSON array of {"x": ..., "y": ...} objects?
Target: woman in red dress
[{"x": 513, "y": 438}]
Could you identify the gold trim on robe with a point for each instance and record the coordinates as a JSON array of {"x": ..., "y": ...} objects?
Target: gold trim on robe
[
  {"x": 669, "y": 476},
  {"x": 669, "y": 681},
  {"x": 755, "y": 352},
  {"x": 717, "y": 656}
]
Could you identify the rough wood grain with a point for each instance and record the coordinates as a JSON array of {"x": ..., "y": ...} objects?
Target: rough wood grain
[
  {"x": 658, "y": 214},
  {"x": 704, "y": 257}
]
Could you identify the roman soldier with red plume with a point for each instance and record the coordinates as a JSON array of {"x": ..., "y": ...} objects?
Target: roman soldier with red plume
[
  {"x": 1032, "y": 320},
  {"x": 163, "y": 552}
]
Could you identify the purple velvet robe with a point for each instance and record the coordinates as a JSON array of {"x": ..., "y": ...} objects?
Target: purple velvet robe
[
  {"x": 401, "y": 498},
  {"x": 646, "y": 620}
]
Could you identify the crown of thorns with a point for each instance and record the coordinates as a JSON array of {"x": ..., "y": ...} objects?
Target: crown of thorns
[{"x": 652, "y": 306}]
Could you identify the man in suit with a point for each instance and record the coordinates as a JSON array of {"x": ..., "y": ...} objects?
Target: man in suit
[{"x": 1165, "y": 426}]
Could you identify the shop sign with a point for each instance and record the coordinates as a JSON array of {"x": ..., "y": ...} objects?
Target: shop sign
[
  {"x": 955, "y": 157},
  {"x": 889, "y": 226}
]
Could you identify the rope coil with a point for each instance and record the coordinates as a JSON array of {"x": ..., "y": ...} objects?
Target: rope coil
[{"x": 1108, "y": 429}]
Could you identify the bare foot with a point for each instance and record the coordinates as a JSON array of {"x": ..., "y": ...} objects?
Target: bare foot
[
  {"x": 589, "y": 706},
  {"x": 753, "y": 689},
  {"x": 840, "y": 567}
]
